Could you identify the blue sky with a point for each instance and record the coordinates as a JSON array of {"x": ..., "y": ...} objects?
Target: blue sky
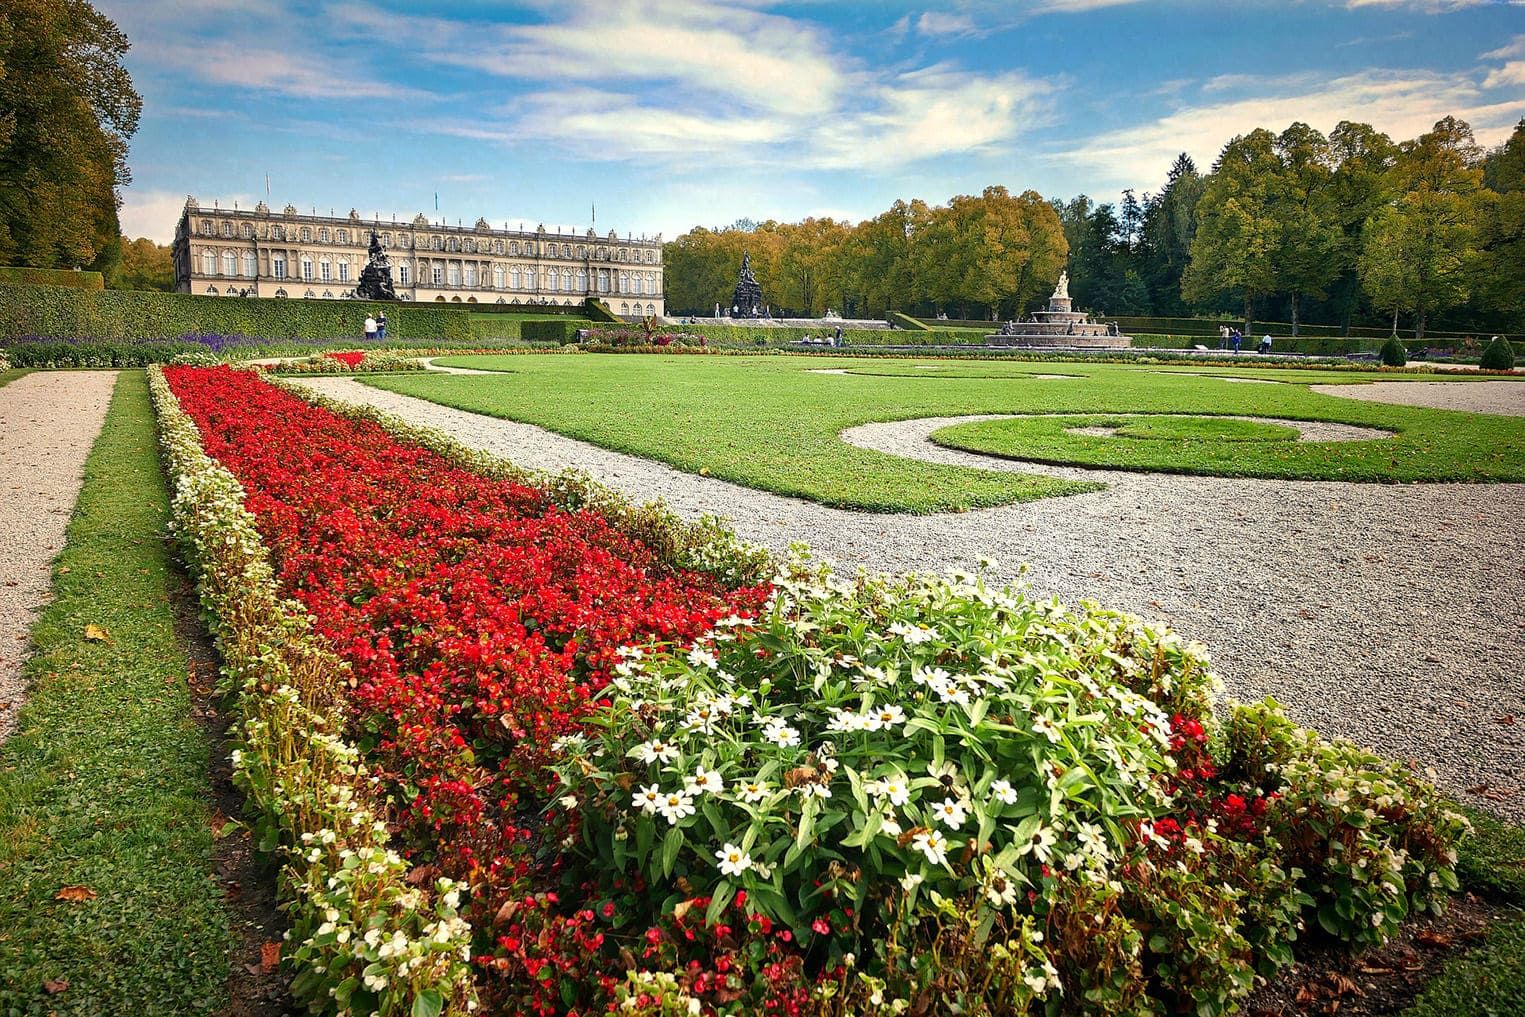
[{"x": 673, "y": 113}]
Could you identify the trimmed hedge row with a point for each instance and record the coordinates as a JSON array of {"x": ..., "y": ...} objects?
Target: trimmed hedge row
[
  {"x": 549, "y": 331},
  {"x": 14, "y": 275},
  {"x": 57, "y": 312},
  {"x": 782, "y": 335},
  {"x": 1153, "y": 327},
  {"x": 209, "y": 349}
]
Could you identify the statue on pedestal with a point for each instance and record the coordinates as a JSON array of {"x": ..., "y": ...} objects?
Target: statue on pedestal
[
  {"x": 747, "y": 301},
  {"x": 376, "y": 279},
  {"x": 1062, "y": 291}
]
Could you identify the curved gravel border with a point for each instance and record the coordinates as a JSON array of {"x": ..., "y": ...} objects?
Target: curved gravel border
[
  {"x": 49, "y": 421},
  {"x": 866, "y": 435},
  {"x": 1390, "y": 614},
  {"x": 1505, "y": 397}
]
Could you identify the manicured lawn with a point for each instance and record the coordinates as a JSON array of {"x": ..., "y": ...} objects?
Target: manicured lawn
[
  {"x": 770, "y": 423},
  {"x": 104, "y": 787},
  {"x": 11, "y": 375},
  {"x": 1486, "y": 982}
]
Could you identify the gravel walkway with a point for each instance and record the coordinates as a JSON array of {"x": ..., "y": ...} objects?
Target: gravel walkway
[
  {"x": 1390, "y": 614},
  {"x": 1506, "y": 397},
  {"x": 48, "y": 422}
]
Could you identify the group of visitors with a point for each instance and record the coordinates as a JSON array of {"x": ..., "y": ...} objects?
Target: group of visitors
[
  {"x": 376, "y": 327},
  {"x": 1233, "y": 339}
]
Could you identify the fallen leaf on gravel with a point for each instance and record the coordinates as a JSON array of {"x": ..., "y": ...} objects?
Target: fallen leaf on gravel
[
  {"x": 1429, "y": 937},
  {"x": 54, "y": 986},
  {"x": 96, "y": 634},
  {"x": 269, "y": 957},
  {"x": 1506, "y": 719},
  {"x": 75, "y": 894},
  {"x": 1488, "y": 791}
]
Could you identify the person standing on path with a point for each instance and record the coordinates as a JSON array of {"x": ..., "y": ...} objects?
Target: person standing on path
[{"x": 370, "y": 327}]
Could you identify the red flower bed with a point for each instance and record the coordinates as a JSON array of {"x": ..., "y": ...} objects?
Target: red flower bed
[
  {"x": 480, "y": 619},
  {"x": 349, "y": 358}
]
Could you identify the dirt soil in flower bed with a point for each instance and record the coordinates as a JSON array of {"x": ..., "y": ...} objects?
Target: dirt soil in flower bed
[
  {"x": 257, "y": 985},
  {"x": 1328, "y": 979}
]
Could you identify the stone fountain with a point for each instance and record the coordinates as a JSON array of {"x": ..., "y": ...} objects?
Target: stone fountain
[{"x": 1060, "y": 327}]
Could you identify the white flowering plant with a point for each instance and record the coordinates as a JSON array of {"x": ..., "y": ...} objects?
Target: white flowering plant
[{"x": 875, "y": 738}]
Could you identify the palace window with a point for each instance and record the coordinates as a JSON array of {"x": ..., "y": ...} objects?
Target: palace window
[
  {"x": 566, "y": 250},
  {"x": 513, "y": 277},
  {"x": 341, "y": 236},
  {"x": 566, "y": 278},
  {"x": 402, "y": 274},
  {"x": 402, "y": 240},
  {"x": 497, "y": 275},
  {"x": 497, "y": 247},
  {"x": 247, "y": 231},
  {"x": 471, "y": 276},
  {"x": 344, "y": 271},
  {"x": 455, "y": 274},
  {"x": 513, "y": 247},
  {"x": 455, "y": 243},
  {"x": 325, "y": 270},
  {"x": 623, "y": 253},
  {"x": 212, "y": 291},
  {"x": 278, "y": 268},
  {"x": 229, "y": 263},
  {"x": 651, "y": 256},
  {"x": 651, "y": 308},
  {"x": 307, "y": 237},
  {"x": 250, "y": 264},
  {"x": 280, "y": 292},
  {"x": 582, "y": 280},
  {"x": 438, "y": 274},
  {"x": 550, "y": 279},
  {"x": 323, "y": 234},
  {"x": 625, "y": 308},
  {"x": 208, "y": 262},
  {"x": 471, "y": 245},
  {"x": 206, "y": 227},
  {"x": 438, "y": 243},
  {"x": 582, "y": 250},
  {"x": 227, "y": 228},
  {"x": 386, "y": 240},
  {"x": 307, "y": 270},
  {"x": 277, "y": 232}
]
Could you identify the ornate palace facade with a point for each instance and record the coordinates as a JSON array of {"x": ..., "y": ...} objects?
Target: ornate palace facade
[{"x": 260, "y": 253}]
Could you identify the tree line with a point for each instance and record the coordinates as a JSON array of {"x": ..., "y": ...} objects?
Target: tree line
[{"x": 1342, "y": 229}]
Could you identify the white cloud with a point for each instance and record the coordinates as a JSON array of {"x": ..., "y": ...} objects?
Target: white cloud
[
  {"x": 1511, "y": 49},
  {"x": 1403, "y": 104},
  {"x": 153, "y": 214},
  {"x": 1427, "y": 6},
  {"x": 937, "y": 23},
  {"x": 1512, "y": 73},
  {"x": 718, "y": 80}
]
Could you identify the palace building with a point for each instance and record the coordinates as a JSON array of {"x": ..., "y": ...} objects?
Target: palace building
[{"x": 260, "y": 253}]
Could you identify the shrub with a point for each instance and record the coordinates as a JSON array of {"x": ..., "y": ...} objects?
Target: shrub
[
  {"x": 547, "y": 331},
  {"x": 350, "y": 362},
  {"x": 1393, "y": 353},
  {"x": 61, "y": 313},
  {"x": 17, "y": 276},
  {"x": 1499, "y": 355}
]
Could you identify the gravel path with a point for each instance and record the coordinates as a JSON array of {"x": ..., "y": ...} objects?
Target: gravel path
[
  {"x": 888, "y": 437},
  {"x": 1507, "y": 397},
  {"x": 48, "y": 422},
  {"x": 1390, "y": 614}
]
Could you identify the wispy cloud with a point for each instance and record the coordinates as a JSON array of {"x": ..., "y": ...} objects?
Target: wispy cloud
[
  {"x": 1403, "y": 104},
  {"x": 718, "y": 80},
  {"x": 1427, "y": 6}
]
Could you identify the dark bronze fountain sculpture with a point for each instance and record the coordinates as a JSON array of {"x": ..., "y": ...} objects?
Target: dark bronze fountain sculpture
[{"x": 376, "y": 279}]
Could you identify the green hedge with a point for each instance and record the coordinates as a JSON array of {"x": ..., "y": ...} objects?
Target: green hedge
[
  {"x": 55, "y": 312},
  {"x": 783, "y": 335},
  {"x": 548, "y": 331},
  {"x": 17, "y": 276},
  {"x": 596, "y": 310},
  {"x": 905, "y": 321}
]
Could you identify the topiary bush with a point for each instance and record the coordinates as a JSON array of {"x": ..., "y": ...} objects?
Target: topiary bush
[
  {"x": 1393, "y": 353},
  {"x": 549, "y": 331},
  {"x": 1498, "y": 356}
]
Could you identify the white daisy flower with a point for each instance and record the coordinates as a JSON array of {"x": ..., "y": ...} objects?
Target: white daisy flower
[
  {"x": 932, "y": 844},
  {"x": 1043, "y": 726},
  {"x": 1003, "y": 792},
  {"x": 675, "y": 805},
  {"x": 888, "y": 715},
  {"x": 950, "y": 812},
  {"x": 752, "y": 790},
  {"x": 781, "y": 734},
  {"x": 700, "y": 657},
  {"x": 914, "y": 635},
  {"x": 703, "y": 781},
  {"x": 733, "y": 860},
  {"x": 911, "y": 880},
  {"x": 895, "y": 789},
  {"x": 655, "y": 751}
]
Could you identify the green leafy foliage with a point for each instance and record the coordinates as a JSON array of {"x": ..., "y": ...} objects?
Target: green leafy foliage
[
  {"x": 548, "y": 331},
  {"x": 55, "y": 312}
]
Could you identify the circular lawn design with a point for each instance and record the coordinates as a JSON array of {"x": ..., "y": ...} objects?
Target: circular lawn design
[{"x": 1233, "y": 446}]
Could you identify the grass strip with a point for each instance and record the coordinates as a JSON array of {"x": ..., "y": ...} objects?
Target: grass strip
[
  {"x": 104, "y": 786},
  {"x": 1486, "y": 982},
  {"x": 773, "y": 423},
  {"x": 1492, "y": 860},
  {"x": 9, "y": 376}
]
